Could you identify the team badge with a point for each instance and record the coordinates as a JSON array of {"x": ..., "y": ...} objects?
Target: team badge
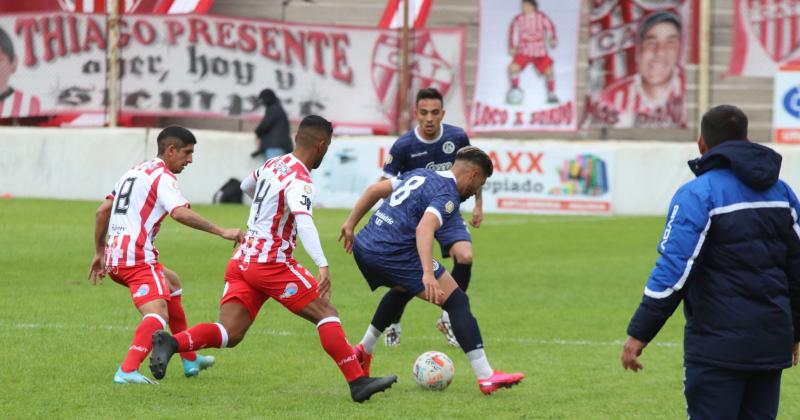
[
  {"x": 435, "y": 265},
  {"x": 307, "y": 188},
  {"x": 142, "y": 291},
  {"x": 448, "y": 147},
  {"x": 289, "y": 291},
  {"x": 388, "y": 159},
  {"x": 449, "y": 207}
]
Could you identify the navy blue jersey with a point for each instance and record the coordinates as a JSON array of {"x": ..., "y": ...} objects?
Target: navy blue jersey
[
  {"x": 392, "y": 229},
  {"x": 411, "y": 151}
]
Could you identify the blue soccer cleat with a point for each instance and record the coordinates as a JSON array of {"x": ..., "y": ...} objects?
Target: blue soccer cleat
[
  {"x": 132, "y": 378},
  {"x": 193, "y": 368}
]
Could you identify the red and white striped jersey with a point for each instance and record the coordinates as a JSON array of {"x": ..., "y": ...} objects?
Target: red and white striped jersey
[
  {"x": 636, "y": 109},
  {"x": 529, "y": 33},
  {"x": 14, "y": 103},
  {"x": 142, "y": 198},
  {"x": 283, "y": 189}
]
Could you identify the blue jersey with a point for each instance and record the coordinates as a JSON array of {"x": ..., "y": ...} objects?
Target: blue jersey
[
  {"x": 411, "y": 151},
  {"x": 392, "y": 229}
]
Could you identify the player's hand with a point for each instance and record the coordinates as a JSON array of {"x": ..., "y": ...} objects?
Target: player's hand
[
  {"x": 233, "y": 234},
  {"x": 432, "y": 292},
  {"x": 97, "y": 270},
  {"x": 631, "y": 351},
  {"x": 795, "y": 354},
  {"x": 477, "y": 217},
  {"x": 553, "y": 43},
  {"x": 348, "y": 236},
  {"x": 324, "y": 283}
]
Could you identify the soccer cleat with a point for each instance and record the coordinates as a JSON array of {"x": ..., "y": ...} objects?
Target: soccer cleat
[
  {"x": 364, "y": 358},
  {"x": 499, "y": 380},
  {"x": 193, "y": 367},
  {"x": 392, "y": 338},
  {"x": 132, "y": 378},
  {"x": 363, "y": 388},
  {"x": 164, "y": 346},
  {"x": 447, "y": 330},
  {"x": 552, "y": 98}
]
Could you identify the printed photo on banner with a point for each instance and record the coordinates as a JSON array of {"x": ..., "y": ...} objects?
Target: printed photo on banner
[
  {"x": 637, "y": 61},
  {"x": 526, "y": 66},
  {"x": 766, "y": 35},
  {"x": 14, "y": 102}
]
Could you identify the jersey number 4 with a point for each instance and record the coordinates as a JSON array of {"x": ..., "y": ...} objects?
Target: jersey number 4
[
  {"x": 261, "y": 193},
  {"x": 405, "y": 190},
  {"x": 124, "y": 196}
]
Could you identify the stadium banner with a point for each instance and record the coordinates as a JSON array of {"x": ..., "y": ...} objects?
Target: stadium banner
[
  {"x": 547, "y": 178},
  {"x": 766, "y": 34},
  {"x": 213, "y": 66},
  {"x": 637, "y": 61},
  {"x": 786, "y": 105},
  {"x": 527, "y": 61}
]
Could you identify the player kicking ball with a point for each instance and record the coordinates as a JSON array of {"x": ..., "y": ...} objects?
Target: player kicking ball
[
  {"x": 263, "y": 266},
  {"x": 395, "y": 249},
  {"x": 130, "y": 217}
]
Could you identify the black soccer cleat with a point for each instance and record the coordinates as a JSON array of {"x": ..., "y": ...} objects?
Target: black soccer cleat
[
  {"x": 363, "y": 388},
  {"x": 164, "y": 346}
]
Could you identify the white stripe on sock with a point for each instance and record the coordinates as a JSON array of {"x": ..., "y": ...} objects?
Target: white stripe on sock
[
  {"x": 327, "y": 320},
  {"x": 224, "y": 333},
  {"x": 370, "y": 338},
  {"x": 159, "y": 318}
]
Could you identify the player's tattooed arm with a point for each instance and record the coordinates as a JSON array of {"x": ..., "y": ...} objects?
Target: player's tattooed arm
[
  {"x": 374, "y": 192},
  {"x": 477, "y": 211},
  {"x": 188, "y": 217},
  {"x": 102, "y": 216}
]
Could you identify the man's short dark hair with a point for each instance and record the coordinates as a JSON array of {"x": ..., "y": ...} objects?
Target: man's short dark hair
[
  {"x": 534, "y": 3},
  {"x": 429, "y": 93},
  {"x": 656, "y": 18},
  {"x": 723, "y": 123},
  {"x": 6, "y": 46},
  {"x": 476, "y": 157},
  {"x": 175, "y": 135},
  {"x": 312, "y": 128}
]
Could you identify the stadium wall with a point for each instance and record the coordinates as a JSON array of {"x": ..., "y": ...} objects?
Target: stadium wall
[{"x": 85, "y": 163}]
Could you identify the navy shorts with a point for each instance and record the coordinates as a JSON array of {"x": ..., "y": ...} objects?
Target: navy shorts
[
  {"x": 454, "y": 230},
  {"x": 403, "y": 270}
]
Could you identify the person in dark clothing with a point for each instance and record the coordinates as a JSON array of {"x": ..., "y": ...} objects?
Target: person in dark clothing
[
  {"x": 273, "y": 130},
  {"x": 731, "y": 252}
]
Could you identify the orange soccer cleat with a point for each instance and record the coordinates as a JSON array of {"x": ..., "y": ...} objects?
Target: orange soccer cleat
[{"x": 499, "y": 380}]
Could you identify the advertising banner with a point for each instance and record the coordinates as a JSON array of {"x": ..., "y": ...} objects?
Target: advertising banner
[
  {"x": 786, "y": 106},
  {"x": 766, "y": 34}
]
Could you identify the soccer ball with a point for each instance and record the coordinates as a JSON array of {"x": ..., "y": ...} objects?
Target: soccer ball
[
  {"x": 433, "y": 370},
  {"x": 514, "y": 96}
]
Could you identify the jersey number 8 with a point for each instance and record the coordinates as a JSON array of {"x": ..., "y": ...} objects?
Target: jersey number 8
[{"x": 404, "y": 191}]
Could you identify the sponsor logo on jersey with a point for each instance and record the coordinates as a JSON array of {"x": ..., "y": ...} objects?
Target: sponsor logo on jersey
[
  {"x": 413, "y": 155},
  {"x": 448, "y": 147},
  {"x": 289, "y": 291},
  {"x": 383, "y": 217},
  {"x": 306, "y": 201},
  {"x": 389, "y": 159},
  {"x": 435, "y": 265},
  {"x": 142, "y": 291},
  {"x": 439, "y": 166},
  {"x": 449, "y": 207}
]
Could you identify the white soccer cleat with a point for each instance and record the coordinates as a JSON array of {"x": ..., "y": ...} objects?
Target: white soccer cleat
[
  {"x": 447, "y": 330},
  {"x": 392, "y": 338}
]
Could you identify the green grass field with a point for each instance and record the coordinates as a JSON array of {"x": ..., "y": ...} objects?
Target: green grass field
[{"x": 553, "y": 296}]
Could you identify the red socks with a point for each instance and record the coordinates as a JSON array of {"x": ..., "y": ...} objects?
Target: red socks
[
  {"x": 335, "y": 344},
  {"x": 551, "y": 85},
  {"x": 201, "y": 336},
  {"x": 142, "y": 341},
  {"x": 515, "y": 82},
  {"x": 177, "y": 320}
]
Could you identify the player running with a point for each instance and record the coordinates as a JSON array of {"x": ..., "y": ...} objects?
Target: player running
[
  {"x": 395, "y": 249},
  {"x": 130, "y": 217},
  {"x": 264, "y": 267},
  {"x": 434, "y": 145},
  {"x": 527, "y": 43}
]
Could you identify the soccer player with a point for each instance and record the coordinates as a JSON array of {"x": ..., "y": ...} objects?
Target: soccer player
[
  {"x": 731, "y": 252},
  {"x": 395, "y": 249},
  {"x": 263, "y": 267},
  {"x": 130, "y": 217},
  {"x": 653, "y": 97},
  {"x": 527, "y": 43},
  {"x": 13, "y": 103},
  {"x": 434, "y": 145}
]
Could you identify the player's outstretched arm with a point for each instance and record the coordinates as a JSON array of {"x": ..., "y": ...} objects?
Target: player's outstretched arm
[
  {"x": 426, "y": 228},
  {"x": 102, "y": 216},
  {"x": 374, "y": 192},
  {"x": 188, "y": 217},
  {"x": 477, "y": 212},
  {"x": 309, "y": 236}
]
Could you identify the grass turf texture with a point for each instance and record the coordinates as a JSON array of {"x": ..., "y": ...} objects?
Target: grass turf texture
[{"x": 553, "y": 296}]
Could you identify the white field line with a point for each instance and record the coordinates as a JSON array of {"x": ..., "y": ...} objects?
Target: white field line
[{"x": 279, "y": 333}]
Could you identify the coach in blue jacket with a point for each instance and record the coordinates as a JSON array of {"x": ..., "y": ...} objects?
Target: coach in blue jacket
[{"x": 731, "y": 252}]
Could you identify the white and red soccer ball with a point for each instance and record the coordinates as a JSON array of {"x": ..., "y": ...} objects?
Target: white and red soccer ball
[{"x": 433, "y": 370}]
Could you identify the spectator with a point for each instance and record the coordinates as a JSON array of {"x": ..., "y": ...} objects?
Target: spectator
[{"x": 273, "y": 130}]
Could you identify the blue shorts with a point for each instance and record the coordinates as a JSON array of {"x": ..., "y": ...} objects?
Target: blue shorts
[
  {"x": 403, "y": 270},
  {"x": 454, "y": 230}
]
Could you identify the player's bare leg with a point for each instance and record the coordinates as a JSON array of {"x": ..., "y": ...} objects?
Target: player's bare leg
[
  {"x": 551, "y": 86},
  {"x": 514, "y": 95},
  {"x": 322, "y": 313},
  {"x": 234, "y": 321},
  {"x": 468, "y": 334},
  {"x": 192, "y": 362},
  {"x": 154, "y": 318}
]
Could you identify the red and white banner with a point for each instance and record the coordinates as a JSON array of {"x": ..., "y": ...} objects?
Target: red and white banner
[
  {"x": 527, "y": 64},
  {"x": 766, "y": 34},
  {"x": 418, "y": 11},
  {"x": 637, "y": 60},
  {"x": 210, "y": 66}
]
